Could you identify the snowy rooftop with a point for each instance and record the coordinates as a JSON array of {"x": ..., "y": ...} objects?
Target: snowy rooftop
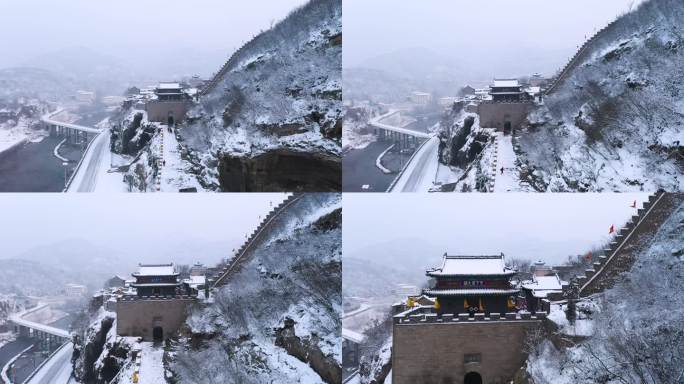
[
  {"x": 196, "y": 280},
  {"x": 352, "y": 336},
  {"x": 155, "y": 270},
  {"x": 169, "y": 86},
  {"x": 474, "y": 291},
  {"x": 472, "y": 265},
  {"x": 541, "y": 286},
  {"x": 506, "y": 83}
]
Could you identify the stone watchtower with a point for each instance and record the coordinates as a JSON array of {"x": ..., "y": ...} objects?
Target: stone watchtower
[
  {"x": 506, "y": 110},
  {"x": 169, "y": 104},
  {"x": 472, "y": 334},
  {"x": 156, "y": 305}
]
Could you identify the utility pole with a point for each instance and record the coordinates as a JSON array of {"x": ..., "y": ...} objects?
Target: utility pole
[{"x": 65, "y": 164}]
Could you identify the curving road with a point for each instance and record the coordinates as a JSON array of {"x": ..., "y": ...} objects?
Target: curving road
[
  {"x": 419, "y": 174},
  {"x": 85, "y": 179},
  {"x": 58, "y": 370}
]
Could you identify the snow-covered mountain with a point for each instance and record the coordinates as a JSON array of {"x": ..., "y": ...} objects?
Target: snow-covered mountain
[
  {"x": 633, "y": 333},
  {"x": 25, "y": 277},
  {"x": 35, "y": 83},
  {"x": 87, "y": 68},
  {"x": 379, "y": 85},
  {"x": 614, "y": 121},
  {"x": 276, "y": 319},
  {"x": 272, "y": 119}
]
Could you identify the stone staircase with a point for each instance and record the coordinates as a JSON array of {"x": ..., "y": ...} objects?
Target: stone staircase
[
  {"x": 630, "y": 240},
  {"x": 575, "y": 60},
  {"x": 242, "y": 255}
]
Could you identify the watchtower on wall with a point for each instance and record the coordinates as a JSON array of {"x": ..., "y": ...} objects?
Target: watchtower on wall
[
  {"x": 471, "y": 334},
  {"x": 156, "y": 305},
  {"x": 506, "y": 107}
]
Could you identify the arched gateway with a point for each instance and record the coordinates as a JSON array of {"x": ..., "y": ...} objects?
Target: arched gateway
[
  {"x": 157, "y": 334},
  {"x": 472, "y": 378}
]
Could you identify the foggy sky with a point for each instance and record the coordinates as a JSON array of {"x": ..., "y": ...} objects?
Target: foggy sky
[
  {"x": 532, "y": 226},
  {"x": 483, "y": 30},
  {"x": 134, "y": 30},
  {"x": 144, "y": 223}
]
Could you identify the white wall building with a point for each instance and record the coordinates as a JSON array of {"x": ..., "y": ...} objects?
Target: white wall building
[
  {"x": 75, "y": 290},
  {"x": 421, "y": 98}
]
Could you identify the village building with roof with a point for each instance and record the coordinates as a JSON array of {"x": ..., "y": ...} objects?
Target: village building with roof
[{"x": 544, "y": 285}]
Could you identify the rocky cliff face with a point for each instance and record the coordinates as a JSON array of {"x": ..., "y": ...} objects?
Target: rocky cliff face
[
  {"x": 278, "y": 318},
  {"x": 614, "y": 123},
  {"x": 98, "y": 353},
  {"x": 275, "y": 107}
]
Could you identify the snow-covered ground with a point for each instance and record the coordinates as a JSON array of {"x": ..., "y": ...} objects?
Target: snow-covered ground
[
  {"x": 12, "y": 135},
  {"x": 174, "y": 171},
  {"x": 151, "y": 365},
  {"x": 583, "y": 325},
  {"x": 352, "y": 139},
  {"x": 6, "y": 337},
  {"x": 507, "y": 180},
  {"x": 378, "y": 161}
]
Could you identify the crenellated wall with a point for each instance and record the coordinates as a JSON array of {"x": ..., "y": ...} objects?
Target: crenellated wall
[
  {"x": 496, "y": 114},
  {"x": 623, "y": 250},
  {"x": 576, "y": 59},
  {"x": 430, "y": 349},
  {"x": 138, "y": 317},
  {"x": 240, "y": 255}
]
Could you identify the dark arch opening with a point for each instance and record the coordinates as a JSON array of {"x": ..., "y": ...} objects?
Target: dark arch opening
[
  {"x": 170, "y": 121},
  {"x": 158, "y": 334},
  {"x": 507, "y": 127},
  {"x": 472, "y": 378}
]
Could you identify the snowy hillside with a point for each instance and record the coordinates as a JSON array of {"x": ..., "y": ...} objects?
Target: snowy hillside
[
  {"x": 272, "y": 120},
  {"x": 87, "y": 68},
  {"x": 35, "y": 83},
  {"x": 636, "y": 333},
  {"x": 278, "y": 319},
  {"x": 45, "y": 279},
  {"x": 614, "y": 123},
  {"x": 356, "y": 134},
  {"x": 20, "y": 121},
  {"x": 275, "y": 319},
  {"x": 376, "y": 85}
]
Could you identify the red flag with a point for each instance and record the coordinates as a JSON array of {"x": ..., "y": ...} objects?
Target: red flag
[
  {"x": 633, "y": 204},
  {"x": 611, "y": 229}
]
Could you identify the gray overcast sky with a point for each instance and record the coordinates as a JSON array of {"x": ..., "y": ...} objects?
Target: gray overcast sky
[
  {"x": 143, "y": 222},
  {"x": 528, "y": 225},
  {"x": 31, "y": 27},
  {"x": 482, "y": 28}
]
